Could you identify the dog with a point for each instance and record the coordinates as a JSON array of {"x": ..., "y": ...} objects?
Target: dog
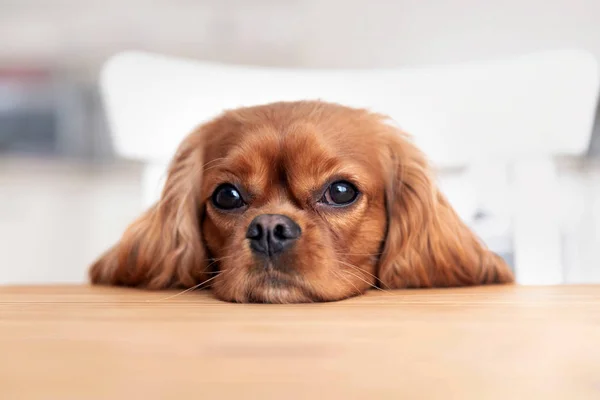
[{"x": 296, "y": 202}]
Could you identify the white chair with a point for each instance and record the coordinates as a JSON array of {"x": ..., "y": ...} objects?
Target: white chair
[{"x": 502, "y": 122}]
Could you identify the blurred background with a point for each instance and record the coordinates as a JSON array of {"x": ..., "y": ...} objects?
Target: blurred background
[{"x": 64, "y": 193}]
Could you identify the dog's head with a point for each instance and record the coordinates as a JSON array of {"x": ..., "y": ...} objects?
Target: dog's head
[{"x": 298, "y": 202}]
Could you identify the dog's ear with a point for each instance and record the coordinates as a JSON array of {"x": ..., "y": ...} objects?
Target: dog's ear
[
  {"x": 427, "y": 244},
  {"x": 163, "y": 248}
]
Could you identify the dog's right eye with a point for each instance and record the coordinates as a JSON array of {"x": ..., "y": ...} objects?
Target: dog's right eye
[
  {"x": 227, "y": 197},
  {"x": 339, "y": 194}
]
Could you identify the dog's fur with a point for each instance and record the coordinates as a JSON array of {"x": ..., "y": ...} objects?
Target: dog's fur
[{"x": 400, "y": 232}]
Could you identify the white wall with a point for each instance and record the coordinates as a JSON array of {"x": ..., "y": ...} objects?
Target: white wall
[
  {"x": 409, "y": 32},
  {"x": 56, "y": 216},
  {"x": 359, "y": 33}
]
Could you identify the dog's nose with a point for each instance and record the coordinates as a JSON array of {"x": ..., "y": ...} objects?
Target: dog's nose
[{"x": 270, "y": 234}]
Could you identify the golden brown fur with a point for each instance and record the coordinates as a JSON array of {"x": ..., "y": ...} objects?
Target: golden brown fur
[{"x": 400, "y": 232}]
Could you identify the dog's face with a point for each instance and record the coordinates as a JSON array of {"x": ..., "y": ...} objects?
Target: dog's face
[
  {"x": 298, "y": 202},
  {"x": 294, "y": 210}
]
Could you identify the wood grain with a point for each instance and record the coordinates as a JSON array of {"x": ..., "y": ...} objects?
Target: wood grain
[{"x": 504, "y": 342}]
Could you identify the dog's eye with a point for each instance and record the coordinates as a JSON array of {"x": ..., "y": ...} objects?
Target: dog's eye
[
  {"x": 227, "y": 197},
  {"x": 340, "y": 193}
]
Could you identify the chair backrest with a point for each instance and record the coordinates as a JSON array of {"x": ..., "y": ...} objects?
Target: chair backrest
[{"x": 538, "y": 104}]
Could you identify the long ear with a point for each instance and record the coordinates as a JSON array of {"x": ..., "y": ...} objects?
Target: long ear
[
  {"x": 427, "y": 243},
  {"x": 163, "y": 248}
]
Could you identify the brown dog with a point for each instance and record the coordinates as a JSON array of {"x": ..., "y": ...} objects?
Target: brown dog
[{"x": 299, "y": 202}]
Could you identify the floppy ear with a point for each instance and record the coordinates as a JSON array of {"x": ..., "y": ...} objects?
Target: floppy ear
[
  {"x": 427, "y": 243},
  {"x": 163, "y": 248}
]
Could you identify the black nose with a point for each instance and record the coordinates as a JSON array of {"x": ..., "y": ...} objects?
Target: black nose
[{"x": 270, "y": 234}]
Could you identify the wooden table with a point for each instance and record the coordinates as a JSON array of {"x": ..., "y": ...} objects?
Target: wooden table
[{"x": 72, "y": 342}]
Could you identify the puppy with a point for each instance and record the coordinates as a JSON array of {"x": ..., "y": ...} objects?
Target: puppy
[{"x": 299, "y": 202}]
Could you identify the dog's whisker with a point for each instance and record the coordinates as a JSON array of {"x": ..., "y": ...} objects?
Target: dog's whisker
[
  {"x": 212, "y": 161},
  {"x": 213, "y": 167},
  {"x": 368, "y": 283},
  {"x": 216, "y": 260},
  {"x": 358, "y": 291},
  {"x": 360, "y": 254},
  {"x": 217, "y": 273},
  {"x": 356, "y": 268},
  {"x": 190, "y": 288},
  {"x": 362, "y": 270}
]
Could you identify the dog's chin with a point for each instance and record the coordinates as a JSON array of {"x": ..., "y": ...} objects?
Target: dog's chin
[
  {"x": 277, "y": 295},
  {"x": 266, "y": 282},
  {"x": 274, "y": 287},
  {"x": 264, "y": 285},
  {"x": 270, "y": 287}
]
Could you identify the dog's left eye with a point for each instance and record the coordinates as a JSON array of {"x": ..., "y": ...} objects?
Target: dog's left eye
[
  {"x": 227, "y": 197},
  {"x": 340, "y": 193}
]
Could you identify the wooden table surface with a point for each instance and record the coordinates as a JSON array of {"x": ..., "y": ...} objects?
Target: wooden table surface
[{"x": 78, "y": 342}]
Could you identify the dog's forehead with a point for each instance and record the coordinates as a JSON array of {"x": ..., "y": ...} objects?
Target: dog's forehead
[{"x": 299, "y": 153}]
